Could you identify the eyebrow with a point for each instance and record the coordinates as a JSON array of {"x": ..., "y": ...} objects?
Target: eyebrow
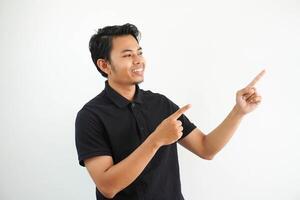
[{"x": 130, "y": 50}]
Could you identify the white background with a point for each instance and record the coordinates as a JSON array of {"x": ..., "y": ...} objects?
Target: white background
[{"x": 198, "y": 52}]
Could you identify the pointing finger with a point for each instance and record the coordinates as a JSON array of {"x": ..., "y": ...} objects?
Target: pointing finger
[
  {"x": 180, "y": 111},
  {"x": 254, "y": 81}
]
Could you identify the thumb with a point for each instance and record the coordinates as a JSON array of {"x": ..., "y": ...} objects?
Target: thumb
[{"x": 247, "y": 90}]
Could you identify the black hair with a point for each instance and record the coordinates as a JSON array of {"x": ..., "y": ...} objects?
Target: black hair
[{"x": 100, "y": 44}]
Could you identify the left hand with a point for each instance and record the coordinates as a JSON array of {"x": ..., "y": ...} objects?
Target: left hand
[{"x": 247, "y": 99}]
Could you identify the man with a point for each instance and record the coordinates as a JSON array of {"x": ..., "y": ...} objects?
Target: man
[{"x": 127, "y": 137}]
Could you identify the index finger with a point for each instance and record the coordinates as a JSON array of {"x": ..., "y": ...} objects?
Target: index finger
[
  {"x": 254, "y": 81},
  {"x": 180, "y": 111}
]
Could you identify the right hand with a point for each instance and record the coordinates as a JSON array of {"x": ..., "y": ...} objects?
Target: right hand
[{"x": 170, "y": 129}]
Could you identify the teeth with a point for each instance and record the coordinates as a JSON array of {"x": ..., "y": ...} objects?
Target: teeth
[{"x": 138, "y": 70}]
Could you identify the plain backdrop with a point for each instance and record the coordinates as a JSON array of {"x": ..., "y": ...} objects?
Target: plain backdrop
[{"x": 198, "y": 52}]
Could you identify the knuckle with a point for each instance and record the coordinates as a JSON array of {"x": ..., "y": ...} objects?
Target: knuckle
[
  {"x": 174, "y": 122},
  {"x": 169, "y": 120}
]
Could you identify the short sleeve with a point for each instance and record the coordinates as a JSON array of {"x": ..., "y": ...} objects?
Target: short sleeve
[
  {"x": 90, "y": 136},
  {"x": 187, "y": 125}
]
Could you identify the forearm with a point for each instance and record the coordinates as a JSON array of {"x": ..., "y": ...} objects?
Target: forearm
[
  {"x": 125, "y": 172},
  {"x": 219, "y": 137},
  {"x": 122, "y": 174}
]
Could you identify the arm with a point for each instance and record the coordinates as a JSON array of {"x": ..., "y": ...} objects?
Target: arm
[
  {"x": 207, "y": 146},
  {"x": 219, "y": 137},
  {"x": 110, "y": 178}
]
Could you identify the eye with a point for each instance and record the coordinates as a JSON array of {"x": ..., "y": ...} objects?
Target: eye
[
  {"x": 128, "y": 55},
  {"x": 141, "y": 53}
]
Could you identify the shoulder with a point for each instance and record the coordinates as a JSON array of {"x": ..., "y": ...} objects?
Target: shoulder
[
  {"x": 97, "y": 102},
  {"x": 155, "y": 95},
  {"x": 91, "y": 107},
  {"x": 159, "y": 100}
]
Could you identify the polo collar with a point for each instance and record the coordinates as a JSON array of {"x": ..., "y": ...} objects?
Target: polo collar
[{"x": 118, "y": 99}]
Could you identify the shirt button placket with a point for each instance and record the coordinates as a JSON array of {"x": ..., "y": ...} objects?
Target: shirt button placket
[
  {"x": 134, "y": 112},
  {"x": 138, "y": 120},
  {"x": 132, "y": 105}
]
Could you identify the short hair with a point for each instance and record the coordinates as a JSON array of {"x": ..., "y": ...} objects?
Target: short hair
[{"x": 100, "y": 44}]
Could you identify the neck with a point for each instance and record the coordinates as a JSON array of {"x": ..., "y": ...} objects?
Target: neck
[{"x": 126, "y": 91}]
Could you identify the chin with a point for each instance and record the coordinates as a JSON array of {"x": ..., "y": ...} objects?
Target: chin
[{"x": 139, "y": 81}]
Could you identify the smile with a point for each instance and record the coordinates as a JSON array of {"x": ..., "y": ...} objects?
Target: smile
[{"x": 138, "y": 70}]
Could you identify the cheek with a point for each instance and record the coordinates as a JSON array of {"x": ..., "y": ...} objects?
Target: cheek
[{"x": 124, "y": 67}]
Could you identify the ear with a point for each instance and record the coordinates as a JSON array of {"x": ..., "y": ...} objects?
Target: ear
[{"x": 103, "y": 66}]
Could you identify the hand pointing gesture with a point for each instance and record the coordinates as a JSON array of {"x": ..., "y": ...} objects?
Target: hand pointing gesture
[
  {"x": 247, "y": 99},
  {"x": 170, "y": 129}
]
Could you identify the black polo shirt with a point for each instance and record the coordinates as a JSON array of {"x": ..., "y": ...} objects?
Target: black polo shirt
[{"x": 109, "y": 124}]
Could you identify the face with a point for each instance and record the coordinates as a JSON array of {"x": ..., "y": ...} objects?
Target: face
[{"x": 127, "y": 63}]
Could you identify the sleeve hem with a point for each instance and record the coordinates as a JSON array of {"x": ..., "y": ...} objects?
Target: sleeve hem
[
  {"x": 89, "y": 155},
  {"x": 188, "y": 132}
]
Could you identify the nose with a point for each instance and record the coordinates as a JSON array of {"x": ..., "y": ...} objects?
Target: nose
[{"x": 136, "y": 60}]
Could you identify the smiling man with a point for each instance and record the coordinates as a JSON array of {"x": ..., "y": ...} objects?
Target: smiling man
[{"x": 127, "y": 137}]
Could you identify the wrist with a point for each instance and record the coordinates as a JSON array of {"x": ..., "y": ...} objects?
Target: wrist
[
  {"x": 237, "y": 111},
  {"x": 154, "y": 140}
]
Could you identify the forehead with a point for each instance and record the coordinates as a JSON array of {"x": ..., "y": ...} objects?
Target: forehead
[{"x": 120, "y": 43}]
